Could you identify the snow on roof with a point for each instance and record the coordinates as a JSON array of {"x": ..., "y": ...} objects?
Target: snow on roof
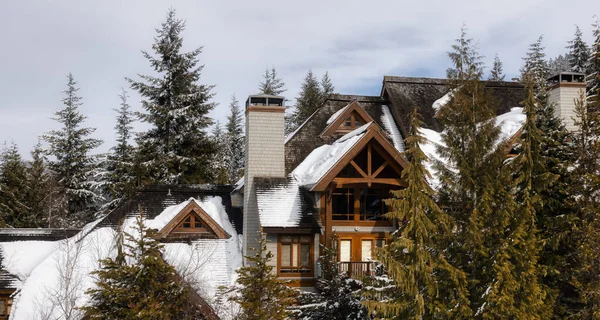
[
  {"x": 509, "y": 124},
  {"x": 280, "y": 204},
  {"x": 336, "y": 114},
  {"x": 323, "y": 158},
  {"x": 390, "y": 126},
  {"x": 205, "y": 263},
  {"x": 239, "y": 184},
  {"x": 439, "y": 103}
]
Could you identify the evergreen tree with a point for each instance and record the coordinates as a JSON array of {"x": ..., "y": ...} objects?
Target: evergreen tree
[
  {"x": 559, "y": 64},
  {"x": 39, "y": 189},
  {"x": 578, "y": 53},
  {"x": 235, "y": 142},
  {"x": 593, "y": 74},
  {"x": 137, "y": 283},
  {"x": 13, "y": 188},
  {"x": 467, "y": 64},
  {"x": 309, "y": 100},
  {"x": 517, "y": 291},
  {"x": 496, "y": 74},
  {"x": 73, "y": 165},
  {"x": 258, "y": 292},
  {"x": 271, "y": 83},
  {"x": 428, "y": 286},
  {"x": 326, "y": 86},
  {"x": 176, "y": 149},
  {"x": 121, "y": 175},
  {"x": 338, "y": 297},
  {"x": 221, "y": 159},
  {"x": 536, "y": 66}
]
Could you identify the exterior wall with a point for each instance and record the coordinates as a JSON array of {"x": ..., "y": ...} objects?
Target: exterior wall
[
  {"x": 264, "y": 158},
  {"x": 564, "y": 95},
  {"x": 237, "y": 200}
]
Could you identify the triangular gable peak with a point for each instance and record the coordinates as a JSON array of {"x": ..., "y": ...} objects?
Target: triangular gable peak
[
  {"x": 372, "y": 160},
  {"x": 192, "y": 222},
  {"x": 351, "y": 117}
]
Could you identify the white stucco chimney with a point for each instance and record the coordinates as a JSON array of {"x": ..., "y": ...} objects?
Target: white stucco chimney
[
  {"x": 564, "y": 88},
  {"x": 265, "y": 156}
]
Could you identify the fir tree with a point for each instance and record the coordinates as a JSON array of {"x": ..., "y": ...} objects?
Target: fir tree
[
  {"x": 559, "y": 64},
  {"x": 271, "y": 83},
  {"x": 309, "y": 100},
  {"x": 221, "y": 159},
  {"x": 73, "y": 165},
  {"x": 326, "y": 86},
  {"x": 536, "y": 66},
  {"x": 39, "y": 189},
  {"x": 593, "y": 74},
  {"x": 467, "y": 64},
  {"x": 121, "y": 175},
  {"x": 176, "y": 149},
  {"x": 338, "y": 297},
  {"x": 258, "y": 292},
  {"x": 137, "y": 283},
  {"x": 496, "y": 74},
  {"x": 13, "y": 188},
  {"x": 578, "y": 53},
  {"x": 427, "y": 285},
  {"x": 235, "y": 142}
]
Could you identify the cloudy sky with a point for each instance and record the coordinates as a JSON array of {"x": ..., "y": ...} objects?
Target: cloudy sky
[{"x": 358, "y": 42}]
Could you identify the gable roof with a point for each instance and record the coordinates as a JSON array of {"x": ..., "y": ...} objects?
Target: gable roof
[
  {"x": 193, "y": 208},
  {"x": 338, "y": 118},
  {"x": 322, "y": 165}
]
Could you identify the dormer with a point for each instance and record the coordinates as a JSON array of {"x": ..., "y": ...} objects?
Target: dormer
[
  {"x": 347, "y": 119},
  {"x": 192, "y": 223}
]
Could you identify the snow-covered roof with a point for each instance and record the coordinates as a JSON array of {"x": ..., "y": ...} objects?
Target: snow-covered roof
[
  {"x": 279, "y": 202},
  {"x": 323, "y": 158},
  {"x": 439, "y": 103},
  {"x": 337, "y": 114},
  {"x": 509, "y": 124},
  {"x": 392, "y": 128},
  {"x": 205, "y": 263}
]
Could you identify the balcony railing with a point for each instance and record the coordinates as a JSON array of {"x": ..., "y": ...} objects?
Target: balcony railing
[{"x": 358, "y": 269}]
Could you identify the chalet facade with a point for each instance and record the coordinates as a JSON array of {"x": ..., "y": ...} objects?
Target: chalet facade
[{"x": 328, "y": 177}]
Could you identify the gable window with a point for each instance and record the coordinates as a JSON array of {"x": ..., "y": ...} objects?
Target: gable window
[
  {"x": 190, "y": 223},
  {"x": 352, "y": 122},
  {"x": 295, "y": 255}
]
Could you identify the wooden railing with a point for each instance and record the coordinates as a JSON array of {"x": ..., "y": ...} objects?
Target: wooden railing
[{"x": 357, "y": 269}]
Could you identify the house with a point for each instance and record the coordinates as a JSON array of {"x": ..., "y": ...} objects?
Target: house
[{"x": 328, "y": 177}]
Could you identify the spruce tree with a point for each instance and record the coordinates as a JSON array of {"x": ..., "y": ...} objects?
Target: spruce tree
[
  {"x": 593, "y": 74},
  {"x": 427, "y": 285},
  {"x": 176, "y": 149},
  {"x": 578, "y": 53},
  {"x": 559, "y": 64},
  {"x": 271, "y": 83},
  {"x": 235, "y": 142},
  {"x": 73, "y": 165},
  {"x": 14, "y": 210},
  {"x": 221, "y": 160},
  {"x": 496, "y": 74},
  {"x": 326, "y": 86},
  {"x": 40, "y": 194},
  {"x": 259, "y": 293},
  {"x": 120, "y": 164},
  {"x": 536, "y": 66},
  {"x": 137, "y": 283},
  {"x": 309, "y": 100}
]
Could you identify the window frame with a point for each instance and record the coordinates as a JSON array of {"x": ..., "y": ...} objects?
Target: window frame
[{"x": 295, "y": 239}]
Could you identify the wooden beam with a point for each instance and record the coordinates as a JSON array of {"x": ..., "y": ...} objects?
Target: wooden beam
[
  {"x": 369, "y": 159},
  {"x": 362, "y": 173},
  {"x": 349, "y": 181},
  {"x": 378, "y": 171}
]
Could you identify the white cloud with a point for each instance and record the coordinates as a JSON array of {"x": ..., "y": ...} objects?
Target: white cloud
[{"x": 356, "y": 41}]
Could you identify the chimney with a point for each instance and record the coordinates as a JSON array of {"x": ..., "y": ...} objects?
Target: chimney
[
  {"x": 563, "y": 89},
  {"x": 264, "y": 156}
]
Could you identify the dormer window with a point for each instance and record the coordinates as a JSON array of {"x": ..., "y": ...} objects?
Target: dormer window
[
  {"x": 346, "y": 119},
  {"x": 192, "y": 222}
]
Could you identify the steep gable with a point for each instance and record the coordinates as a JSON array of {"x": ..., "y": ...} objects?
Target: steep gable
[
  {"x": 192, "y": 222},
  {"x": 347, "y": 119}
]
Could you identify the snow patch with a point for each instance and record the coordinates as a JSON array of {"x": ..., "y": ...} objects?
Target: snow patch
[
  {"x": 439, "y": 103},
  {"x": 390, "y": 126},
  {"x": 280, "y": 206},
  {"x": 336, "y": 115}
]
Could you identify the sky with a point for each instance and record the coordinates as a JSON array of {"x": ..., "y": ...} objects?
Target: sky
[{"x": 356, "y": 41}]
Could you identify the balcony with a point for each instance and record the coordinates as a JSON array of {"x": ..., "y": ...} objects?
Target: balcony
[{"x": 359, "y": 269}]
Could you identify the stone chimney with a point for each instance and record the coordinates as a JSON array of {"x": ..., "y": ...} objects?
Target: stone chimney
[
  {"x": 564, "y": 88},
  {"x": 264, "y": 156}
]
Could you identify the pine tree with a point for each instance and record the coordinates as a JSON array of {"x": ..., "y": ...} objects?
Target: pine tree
[
  {"x": 338, "y": 297},
  {"x": 13, "y": 188},
  {"x": 176, "y": 149},
  {"x": 536, "y": 66},
  {"x": 593, "y": 74},
  {"x": 271, "y": 83},
  {"x": 137, "y": 283},
  {"x": 496, "y": 74},
  {"x": 517, "y": 291},
  {"x": 427, "y": 285},
  {"x": 309, "y": 100},
  {"x": 559, "y": 64},
  {"x": 235, "y": 142},
  {"x": 578, "y": 53},
  {"x": 120, "y": 166},
  {"x": 73, "y": 165},
  {"x": 258, "y": 292}
]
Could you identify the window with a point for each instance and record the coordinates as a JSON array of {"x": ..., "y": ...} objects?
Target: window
[
  {"x": 190, "y": 223},
  {"x": 352, "y": 122},
  {"x": 367, "y": 252},
  {"x": 295, "y": 254},
  {"x": 372, "y": 206},
  {"x": 342, "y": 204}
]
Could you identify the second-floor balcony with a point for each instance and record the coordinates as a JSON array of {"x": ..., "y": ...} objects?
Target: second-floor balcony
[{"x": 358, "y": 269}]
